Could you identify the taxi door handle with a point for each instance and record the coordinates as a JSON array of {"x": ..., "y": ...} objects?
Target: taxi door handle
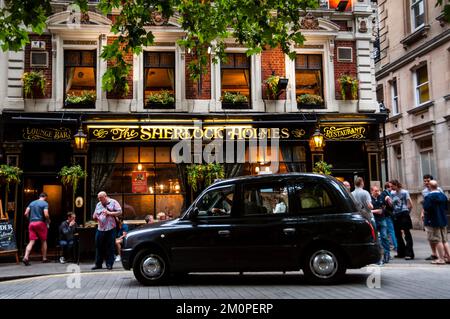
[{"x": 224, "y": 233}]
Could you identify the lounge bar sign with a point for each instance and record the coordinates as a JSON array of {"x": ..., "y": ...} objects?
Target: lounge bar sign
[
  {"x": 51, "y": 134},
  {"x": 348, "y": 132}
]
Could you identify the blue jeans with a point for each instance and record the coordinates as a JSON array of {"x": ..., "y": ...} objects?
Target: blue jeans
[
  {"x": 67, "y": 246},
  {"x": 104, "y": 247},
  {"x": 391, "y": 231},
  {"x": 382, "y": 230}
]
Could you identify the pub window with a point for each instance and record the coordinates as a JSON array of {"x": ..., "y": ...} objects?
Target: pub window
[
  {"x": 159, "y": 80},
  {"x": 142, "y": 178},
  {"x": 309, "y": 80},
  {"x": 394, "y": 92},
  {"x": 427, "y": 164},
  {"x": 417, "y": 14},
  {"x": 80, "y": 78},
  {"x": 422, "y": 85},
  {"x": 235, "y": 80}
]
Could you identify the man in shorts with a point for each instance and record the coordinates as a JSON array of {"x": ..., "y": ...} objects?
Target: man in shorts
[
  {"x": 37, "y": 213},
  {"x": 435, "y": 207}
]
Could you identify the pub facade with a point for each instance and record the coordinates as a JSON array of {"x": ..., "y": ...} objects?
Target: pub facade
[{"x": 135, "y": 143}]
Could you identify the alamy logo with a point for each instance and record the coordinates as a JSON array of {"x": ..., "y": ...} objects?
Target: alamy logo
[{"x": 73, "y": 281}]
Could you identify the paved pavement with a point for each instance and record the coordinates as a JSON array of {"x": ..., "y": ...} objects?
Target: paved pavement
[{"x": 399, "y": 279}]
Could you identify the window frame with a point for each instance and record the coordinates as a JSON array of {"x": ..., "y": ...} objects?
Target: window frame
[
  {"x": 174, "y": 68},
  {"x": 417, "y": 86},
  {"x": 322, "y": 72},
  {"x": 250, "y": 79},
  {"x": 215, "y": 217},
  {"x": 335, "y": 208},
  {"x": 394, "y": 97},
  {"x": 429, "y": 151},
  {"x": 412, "y": 4}
]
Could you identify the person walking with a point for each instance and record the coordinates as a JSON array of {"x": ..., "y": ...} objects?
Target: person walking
[
  {"x": 426, "y": 183},
  {"x": 105, "y": 214},
  {"x": 67, "y": 237},
  {"x": 37, "y": 212},
  {"x": 402, "y": 205},
  {"x": 435, "y": 205}
]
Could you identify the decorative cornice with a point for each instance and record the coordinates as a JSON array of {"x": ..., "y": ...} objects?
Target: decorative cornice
[
  {"x": 421, "y": 108},
  {"x": 415, "y": 36}
]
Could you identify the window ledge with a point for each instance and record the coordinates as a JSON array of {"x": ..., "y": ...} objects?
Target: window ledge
[
  {"x": 423, "y": 107},
  {"x": 415, "y": 36},
  {"x": 395, "y": 117}
]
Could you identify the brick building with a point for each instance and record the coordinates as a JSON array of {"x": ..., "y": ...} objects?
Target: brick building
[{"x": 133, "y": 133}]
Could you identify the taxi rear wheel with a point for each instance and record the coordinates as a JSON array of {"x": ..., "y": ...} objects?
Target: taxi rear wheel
[{"x": 324, "y": 265}]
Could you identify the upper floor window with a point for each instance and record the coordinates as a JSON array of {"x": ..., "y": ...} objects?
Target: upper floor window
[
  {"x": 394, "y": 93},
  {"x": 235, "y": 81},
  {"x": 80, "y": 74},
  {"x": 422, "y": 85},
  {"x": 159, "y": 80},
  {"x": 309, "y": 80},
  {"x": 417, "y": 13},
  {"x": 427, "y": 165}
]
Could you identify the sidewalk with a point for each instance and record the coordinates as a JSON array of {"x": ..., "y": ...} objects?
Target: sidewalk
[{"x": 9, "y": 271}]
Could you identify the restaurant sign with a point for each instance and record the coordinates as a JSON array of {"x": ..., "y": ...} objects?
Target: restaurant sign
[
  {"x": 348, "y": 132},
  {"x": 51, "y": 134}
]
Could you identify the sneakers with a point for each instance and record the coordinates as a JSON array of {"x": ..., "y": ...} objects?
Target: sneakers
[
  {"x": 117, "y": 258},
  {"x": 62, "y": 260}
]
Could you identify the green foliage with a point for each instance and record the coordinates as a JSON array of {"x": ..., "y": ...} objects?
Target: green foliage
[
  {"x": 347, "y": 82},
  {"x": 230, "y": 97},
  {"x": 10, "y": 174},
  {"x": 272, "y": 87},
  {"x": 445, "y": 10},
  {"x": 85, "y": 98},
  {"x": 70, "y": 176},
  {"x": 163, "y": 97},
  {"x": 322, "y": 167},
  {"x": 311, "y": 99},
  {"x": 203, "y": 175},
  {"x": 31, "y": 81},
  {"x": 208, "y": 24}
]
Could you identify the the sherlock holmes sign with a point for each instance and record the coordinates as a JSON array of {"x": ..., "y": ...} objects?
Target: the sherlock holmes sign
[
  {"x": 148, "y": 133},
  {"x": 50, "y": 134}
]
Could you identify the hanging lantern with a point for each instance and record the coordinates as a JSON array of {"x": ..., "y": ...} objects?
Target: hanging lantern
[{"x": 317, "y": 142}]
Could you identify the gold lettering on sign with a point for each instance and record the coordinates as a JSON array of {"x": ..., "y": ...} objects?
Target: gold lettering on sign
[
  {"x": 124, "y": 134},
  {"x": 298, "y": 133},
  {"x": 58, "y": 134},
  {"x": 344, "y": 133},
  {"x": 100, "y": 133}
]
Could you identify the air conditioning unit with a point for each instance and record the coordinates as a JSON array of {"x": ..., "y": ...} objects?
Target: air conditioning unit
[
  {"x": 345, "y": 54},
  {"x": 38, "y": 59},
  {"x": 38, "y": 45}
]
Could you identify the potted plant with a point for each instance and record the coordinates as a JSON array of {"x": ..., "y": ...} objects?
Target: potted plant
[
  {"x": 86, "y": 99},
  {"x": 160, "y": 100},
  {"x": 70, "y": 176},
  {"x": 322, "y": 167},
  {"x": 349, "y": 87},
  {"x": 234, "y": 100},
  {"x": 33, "y": 84},
  {"x": 9, "y": 174},
  {"x": 275, "y": 85},
  {"x": 309, "y": 101},
  {"x": 203, "y": 175}
]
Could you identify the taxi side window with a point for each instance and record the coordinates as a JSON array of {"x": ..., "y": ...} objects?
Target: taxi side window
[
  {"x": 311, "y": 196},
  {"x": 217, "y": 202},
  {"x": 265, "y": 199}
]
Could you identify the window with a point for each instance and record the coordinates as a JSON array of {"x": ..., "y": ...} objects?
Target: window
[
  {"x": 422, "y": 87},
  {"x": 141, "y": 178},
  {"x": 427, "y": 165},
  {"x": 266, "y": 200},
  {"x": 159, "y": 79},
  {"x": 394, "y": 93},
  {"x": 217, "y": 202},
  {"x": 312, "y": 196},
  {"x": 235, "y": 80},
  {"x": 398, "y": 161},
  {"x": 417, "y": 14},
  {"x": 80, "y": 78},
  {"x": 345, "y": 54},
  {"x": 308, "y": 80}
]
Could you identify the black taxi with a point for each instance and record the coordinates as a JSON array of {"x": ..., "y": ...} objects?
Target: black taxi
[{"x": 282, "y": 222}]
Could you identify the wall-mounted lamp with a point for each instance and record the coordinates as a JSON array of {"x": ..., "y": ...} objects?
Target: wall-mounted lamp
[
  {"x": 317, "y": 142},
  {"x": 80, "y": 140}
]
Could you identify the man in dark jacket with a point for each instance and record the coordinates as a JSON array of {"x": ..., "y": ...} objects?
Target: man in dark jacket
[
  {"x": 66, "y": 236},
  {"x": 435, "y": 207}
]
